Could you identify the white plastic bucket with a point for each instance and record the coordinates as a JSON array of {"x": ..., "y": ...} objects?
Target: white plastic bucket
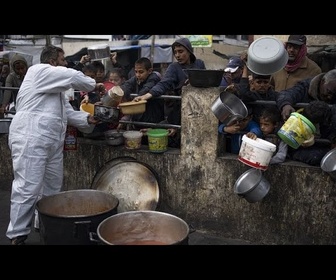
[{"x": 256, "y": 153}]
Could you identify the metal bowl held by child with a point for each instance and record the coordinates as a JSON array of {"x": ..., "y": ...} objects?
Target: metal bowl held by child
[
  {"x": 228, "y": 108},
  {"x": 204, "y": 77},
  {"x": 98, "y": 52},
  {"x": 106, "y": 113}
]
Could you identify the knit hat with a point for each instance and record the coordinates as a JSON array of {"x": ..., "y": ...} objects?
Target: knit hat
[{"x": 185, "y": 43}]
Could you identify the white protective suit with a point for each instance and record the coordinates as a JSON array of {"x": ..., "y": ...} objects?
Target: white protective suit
[{"x": 36, "y": 138}]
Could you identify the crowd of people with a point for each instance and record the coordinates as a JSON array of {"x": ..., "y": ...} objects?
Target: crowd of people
[
  {"x": 301, "y": 81},
  {"x": 40, "y": 103}
]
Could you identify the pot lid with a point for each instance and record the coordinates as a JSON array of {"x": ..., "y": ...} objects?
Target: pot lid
[{"x": 135, "y": 185}]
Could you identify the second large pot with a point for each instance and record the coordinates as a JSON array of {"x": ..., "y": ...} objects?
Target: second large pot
[
  {"x": 68, "y": 218},
  {"x": 143, "y": 228}
]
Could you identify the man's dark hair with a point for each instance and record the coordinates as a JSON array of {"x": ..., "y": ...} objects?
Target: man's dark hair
[
  {"x": 145, "y": 62},
  {"x": 50, "y": 52}
]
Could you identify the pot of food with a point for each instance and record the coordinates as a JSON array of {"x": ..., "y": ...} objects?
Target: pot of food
[
  {"x": 68, "y": 218},
  {"x": 143, "y": 228},
  {"x": 228, "y": 108}
]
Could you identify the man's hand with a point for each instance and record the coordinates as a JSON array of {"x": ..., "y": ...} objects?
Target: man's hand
[{"x": 286, "y": 111}]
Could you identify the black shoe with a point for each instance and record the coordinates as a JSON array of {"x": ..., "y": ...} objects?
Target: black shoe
[{"x": 20, "y": 240}]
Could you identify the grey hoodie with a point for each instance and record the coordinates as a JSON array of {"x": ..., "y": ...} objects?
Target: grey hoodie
[{"x": 13, "y": 80}]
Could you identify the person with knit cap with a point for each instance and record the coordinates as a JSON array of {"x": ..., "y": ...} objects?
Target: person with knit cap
[
  {"x": 19, "y": 67},
  {"x": 298, "y": 67}
]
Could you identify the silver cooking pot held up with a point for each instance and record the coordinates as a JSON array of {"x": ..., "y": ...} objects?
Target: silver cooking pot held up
[{"x": 228, "y": 108}]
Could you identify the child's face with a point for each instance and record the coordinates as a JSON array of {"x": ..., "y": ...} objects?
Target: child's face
[
  {"x": 115, "y": 79},
  {"x": 260, "y": 85},
  {"x": 266, "y": 126},
  {"x": 141, "y": 73},
  {"x": 90, "y": 74},
  {"x": 244, "y": 122}
]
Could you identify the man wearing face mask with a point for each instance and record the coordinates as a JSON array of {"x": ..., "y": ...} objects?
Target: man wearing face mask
[{"x": 37, "y": 132}]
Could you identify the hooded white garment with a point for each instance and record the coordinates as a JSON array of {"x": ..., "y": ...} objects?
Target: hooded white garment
[{"x": 36, "y": 138}]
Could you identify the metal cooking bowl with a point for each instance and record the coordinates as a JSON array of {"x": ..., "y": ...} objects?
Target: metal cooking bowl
[
  {"x": 106, "y": 113},
  {"x": 266, "y": 55},
  {"x": 204, "y": 77},
  {"x": 252, "y": 185},
  {"x": 328, "y": 163},
  {"x": 228, "y": 108}
]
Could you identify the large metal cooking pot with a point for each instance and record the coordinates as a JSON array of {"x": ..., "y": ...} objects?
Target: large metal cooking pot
[
  {"x": 143, "y": 228},
  {"x": 228, "y": 108},
  {"x": 68, "y": 218}
]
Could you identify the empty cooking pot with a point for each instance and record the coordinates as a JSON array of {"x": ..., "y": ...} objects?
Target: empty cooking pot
[
  {"x": 328, "y": 163},
  {"x": 252, "y": 185},
  {"x": 266, "y": 55},
  {"x": 228, "y": 108}
]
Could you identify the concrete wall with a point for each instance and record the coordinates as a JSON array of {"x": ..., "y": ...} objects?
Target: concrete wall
[{"x": 197, "y": 185}]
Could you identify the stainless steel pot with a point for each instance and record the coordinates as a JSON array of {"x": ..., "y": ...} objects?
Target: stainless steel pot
[
  {"x": 4, "y": 125},
  {"x": 252, "y": 185},
  {"x": 68, "y": 218},
  {"x": 143, "y": 228},
  {"x": 228, "y": 108},
  {"x": 114, "y": 137},
  {"x": 106, "y": 113},
  {"x": 98, "y": 52},
  {"x": 328, "y": 163}
]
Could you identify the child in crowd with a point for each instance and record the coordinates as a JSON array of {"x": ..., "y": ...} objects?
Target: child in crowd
[
  {"x": 270, "y": 122},
  {"x": 140, "y": 84},
  {"x": 238, "y": 129},
  {"x": 256, "y": 88},
  {"x": 117, "y": 76},
  {"x": 323, "y": 116},
  {"x": 92, "y": 96}
]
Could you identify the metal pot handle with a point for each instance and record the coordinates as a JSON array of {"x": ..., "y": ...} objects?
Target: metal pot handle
[{"x": 191, "y": 229}]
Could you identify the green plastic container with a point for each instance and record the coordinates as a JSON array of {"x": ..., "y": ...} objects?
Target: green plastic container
[
  {"x": 157, "y": 140},
  {"x": 296, "y": 130}
]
